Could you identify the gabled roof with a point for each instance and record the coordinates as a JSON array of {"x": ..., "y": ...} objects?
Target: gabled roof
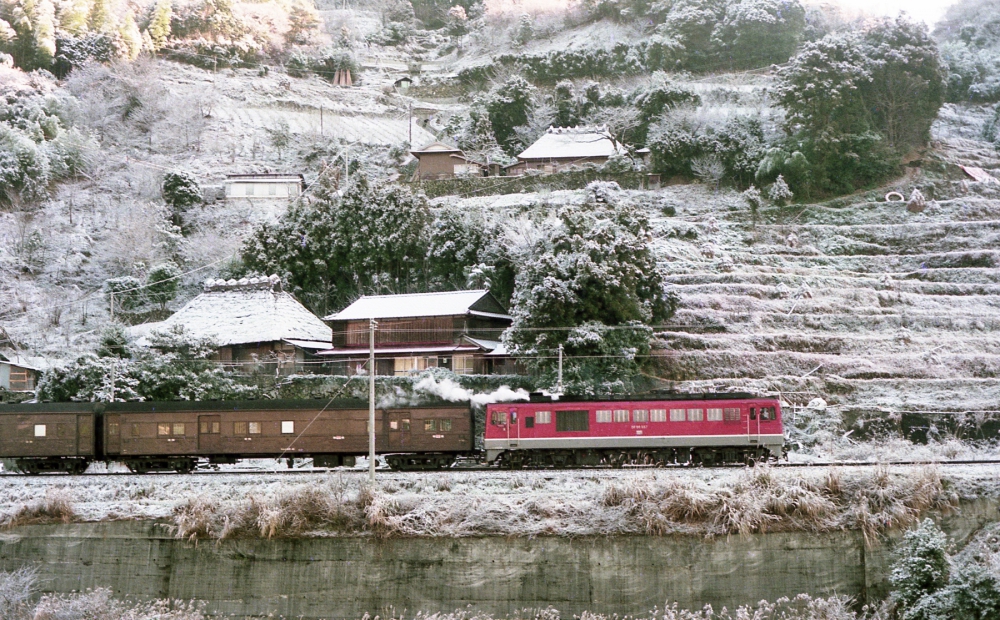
[
  {"x": 436, "y": 147},
  {"x": 457, "y": 303},
  {"x": 23, "y": 361},
  {"x": 573, "y": 143},
  {"x": 244, "y": 312}
]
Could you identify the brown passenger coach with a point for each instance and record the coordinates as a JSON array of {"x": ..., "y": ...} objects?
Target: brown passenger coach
[{"x": 173, "y": 436}]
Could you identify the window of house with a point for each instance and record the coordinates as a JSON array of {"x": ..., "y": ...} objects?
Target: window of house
[
  {"x": 677, "y": 415},
  {"x": 714, "y": 414},
  {"x": 543, "y": 417},
  {"x": 163, "y": 429},
  {"x": 573, "y": 420},
  {"x": 20, "y": 379},
  {"x": 240, "y": 428},
  {"x": 603, "y": 416},
  {"x": 658, "y": 415},
  {"x": 40, "y": 430},
  {"x": 445, "y": 425},
  {"x": 621, "y": 415},
  {"x": 462, "y": 364},
  {"x": 272, "y": 189},
  {"x": 287, "y": 427},
  {"x": 499, "y": 418},
  {"x": 254, "y": 428},
  {"x": 731, "y": 414},
  {"x": 178, "y": 428},
  {"x": 640, "y": 415},
  {"x": 695, "y": 415},
  {"x": 249, "y": 189},
  {"x": 430, "y": 425}
]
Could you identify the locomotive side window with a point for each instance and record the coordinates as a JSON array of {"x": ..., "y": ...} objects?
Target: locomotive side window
[
  {"x": 430, "y": 425},
  {"x": 603, "y": 415},
  {"x": 287, "y": 427},
  {"x": 753, "y": 413},
  {"x": 640, "y": 415},
  {"x": 163, "y": 429},
  {"x": 178, "y": 428},
  {"x": 543, "y": 417},
  {"x": 446, "y": 424},
  {"x": 658, "y": 415},
  {"x": 573, "y": 420},
  {"x": 695, "y": 415},
  {"x": 499, "y": 418},
  {"x": 714, "y": 415},
  {"x": 731, "y": 414},
  {"x": 254, "y": 428},
  {"x": 40, "y": 430},
  {"x": 677, "y": 415},
  {"x": 621, "y": 415},
  {"x": 529, "y": 422}
]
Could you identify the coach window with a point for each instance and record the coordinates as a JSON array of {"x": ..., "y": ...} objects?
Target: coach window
[
  {"x": 677, "y": 415},
  {"x": 445, "y": 425},
  {"x": 714, "y": 415},
  {"x": 499, "y": 418},
  {"x": 640, "y": 415},
  {"x": 430, "y": 425},
  {"x": 113, "y": 429},
  {"x": 240, "y": 428},
  {"x": 603, "y": 416},
  {"x": 178, "y": 428},
  {"x": 287, "y": 427},
  {"x": 621, "y": 415},
  {"x": 163, "y": 429},
  {"x": 543, "y": 417},
  {"x": 254, "y": 428},
  {"x": 731, "y": 414},
  {"x": 404, "y": 424},
  {"x": 695, "y": 415},
  {"x": 40, "y": 430},
  {"x": 658, "y": 415}
]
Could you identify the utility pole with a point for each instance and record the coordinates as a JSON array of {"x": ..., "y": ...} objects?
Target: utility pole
[
  {"x": 114, "y": 363},
  {"x": 371, "y": 400},
  {"x": 321, "y": 119},
  {"x": 410, "y": 125},
  {"x": 559, "y": 383}
]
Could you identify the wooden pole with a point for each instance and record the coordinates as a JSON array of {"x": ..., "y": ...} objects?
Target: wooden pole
[{"x": 371, "y": 400}]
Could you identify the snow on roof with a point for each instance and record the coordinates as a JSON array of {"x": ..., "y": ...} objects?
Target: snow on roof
[
  {"x": 436, "y": 147},
  {"x": 242, "y": 312},
  {"x": 414, "y": 305},
  {"x": 573, "y": 143},
  {"x": 24, "y": 361}
]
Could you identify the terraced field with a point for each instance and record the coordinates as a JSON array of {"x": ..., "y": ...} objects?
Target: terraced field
[{"x": 858, "y": 301}]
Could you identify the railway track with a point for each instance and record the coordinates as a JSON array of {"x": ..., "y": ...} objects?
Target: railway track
[{"x": 473, "y": 469}]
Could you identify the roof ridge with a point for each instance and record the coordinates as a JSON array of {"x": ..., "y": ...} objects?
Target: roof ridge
[{"x": 397, "y": 295}]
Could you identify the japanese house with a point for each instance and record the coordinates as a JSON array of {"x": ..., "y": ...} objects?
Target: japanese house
[
  {"x": 263, "y": 186},
  {"x": 459, "y": 331},
  {"x": 562, "y": 147},
  {"x": 256, "y": 325},
  {"x": 18, "y": 373}
]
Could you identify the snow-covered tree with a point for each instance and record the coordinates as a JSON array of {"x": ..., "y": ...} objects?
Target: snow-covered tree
[
  {"x": 755, "y": 201},
  {"x": 180, "y": 190},
  {"x": 757, "y": 33},
  {"x": 159, "y": 25},
  {"x": 592, "y": 285},
  {"x": 779, "y": 193},
  {"x": 922, "y": 567},
  {"x": 161, "y": 284},
  {"x": 303, "y": 21}
]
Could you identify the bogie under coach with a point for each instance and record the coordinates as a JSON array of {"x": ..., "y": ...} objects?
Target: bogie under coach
[{"x": 705, "y": 429}]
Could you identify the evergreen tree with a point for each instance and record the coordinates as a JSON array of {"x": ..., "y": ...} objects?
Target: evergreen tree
[
  {"x": 159, "y": 25},
  {"x": 73, "y": 16},
  {"x": 303, "y": 21},
  {"x": 102, "y": 17},
  {"x": 128, "y": 30}
]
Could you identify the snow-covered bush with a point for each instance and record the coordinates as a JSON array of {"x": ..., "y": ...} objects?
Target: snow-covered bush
[
  {"x": 161, "y": 284},
  {"x": 181, "y": 190},
  {"x": 755, "y": 201},
  {"x": 779, "y": 193}
]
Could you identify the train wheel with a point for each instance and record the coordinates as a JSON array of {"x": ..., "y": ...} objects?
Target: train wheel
[
  {"x": 78, "y": 467},
  {"x": 27, "y": 467}
]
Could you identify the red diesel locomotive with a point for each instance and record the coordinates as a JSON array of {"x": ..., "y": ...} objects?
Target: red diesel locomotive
[{"x": 705, "y": 429}]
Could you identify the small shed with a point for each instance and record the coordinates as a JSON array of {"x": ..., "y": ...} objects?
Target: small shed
[
  {"x": 441, "y": 161},
  {"x": 18, "y": 373},
  {"x": 264, "y": 186}
]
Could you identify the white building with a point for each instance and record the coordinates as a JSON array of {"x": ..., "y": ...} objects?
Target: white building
[{"x": 264, "y": 186}]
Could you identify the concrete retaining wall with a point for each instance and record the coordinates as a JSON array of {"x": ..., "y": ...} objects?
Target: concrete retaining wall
[{"x": 346, "y": 577}]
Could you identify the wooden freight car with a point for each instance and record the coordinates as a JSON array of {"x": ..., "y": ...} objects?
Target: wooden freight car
[{"x": 48, "y": 437}]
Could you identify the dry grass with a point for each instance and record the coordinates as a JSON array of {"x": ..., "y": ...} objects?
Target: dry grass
[
  {"x": 753, "y": 501},
  {"x": 55, "y": 507}
]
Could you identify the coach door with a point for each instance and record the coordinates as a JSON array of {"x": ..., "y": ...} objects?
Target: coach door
[
  {"x": 209, "y": 432},
  {"x": 399, "y": 431},
  {"x": 513, "y": 430},
  {"x": 113, "y": 433},
  {"x": 753, "y": 425}
]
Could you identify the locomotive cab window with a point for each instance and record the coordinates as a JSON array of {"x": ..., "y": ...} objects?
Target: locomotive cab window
[
  {"x": 768, "y": 413},
  {"x": 543, "y": 417},
  {"x": 499, "y": 418},
  {"x": 753, "y": 413},
  {"x": 573, "y": 420},
  {"x": 287, "y": 427},
  {"x": 40, "y": 430}
]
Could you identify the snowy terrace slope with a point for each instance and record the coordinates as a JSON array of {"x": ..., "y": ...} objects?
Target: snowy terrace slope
[{"x": 853, "y": 300}]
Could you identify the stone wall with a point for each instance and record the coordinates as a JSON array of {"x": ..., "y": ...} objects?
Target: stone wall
[
  {"x": 490, "y": 186},
  {"x": 346, "y": 577}
]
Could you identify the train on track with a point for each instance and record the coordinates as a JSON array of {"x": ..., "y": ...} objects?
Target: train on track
[{"x": 701, "y": 429}]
